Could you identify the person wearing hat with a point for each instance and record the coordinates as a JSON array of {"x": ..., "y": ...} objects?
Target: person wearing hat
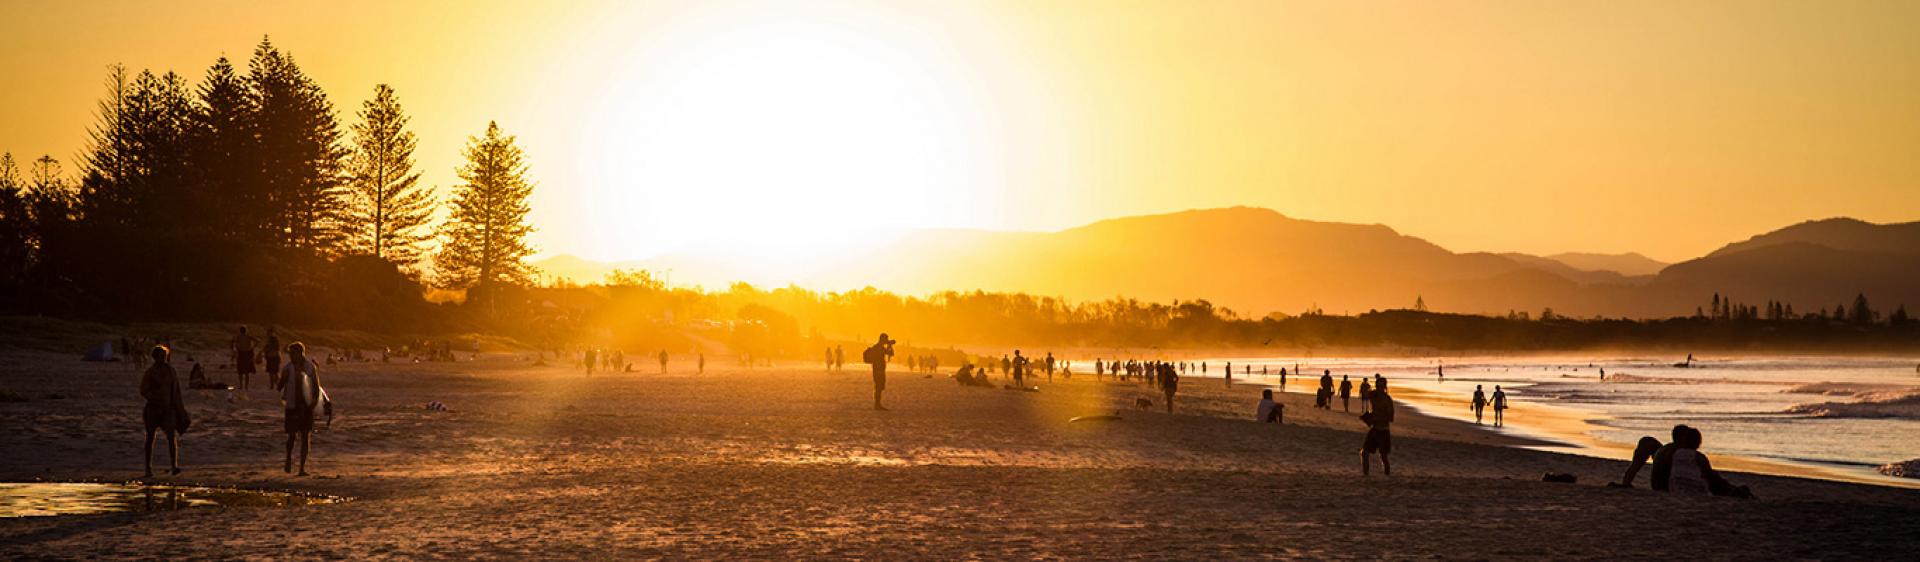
[{"x": 877, "y": 357}]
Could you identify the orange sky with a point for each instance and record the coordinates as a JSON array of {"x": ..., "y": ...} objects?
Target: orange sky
[{"x": 1663, "y": 127}]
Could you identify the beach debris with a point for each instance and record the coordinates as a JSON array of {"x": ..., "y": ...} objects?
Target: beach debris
[
  {"x": 1559, "y": 477},
  {"x": 436, "y": 406}
]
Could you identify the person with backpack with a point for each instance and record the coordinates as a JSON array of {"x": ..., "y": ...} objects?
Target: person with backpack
[
  {"x": 165, "y": 411},
  {"x": 877, "y": 356},
  {"x": 1379, "y": 429}
]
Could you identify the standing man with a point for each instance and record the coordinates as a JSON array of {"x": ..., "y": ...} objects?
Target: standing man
[
  {"x": 877, "y": 356},
  {"x": 829, "y": 359},
  {"x": 272, "y": 351},
  {"x": 243, "y": 357},
  {"x": 1019, "y": 370},
  {"x": 1499, "y": 407},
  {"x": 300, "y": 382},
  {"x": 703, "y": 363},
  {"x": 1379, "y": 430},
  {"x": 663, "y": 361},
  {"x": 839, "y": 357},
  {"x": 1479, "y": 404},
  {"x": 1346, "y": 394},
  {"x": 1169, "y": 384},
  {"x": 160, "y": 386},
  {"x": 1049, "y": 366}
]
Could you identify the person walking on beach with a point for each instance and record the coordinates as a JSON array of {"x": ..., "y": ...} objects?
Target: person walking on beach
[
  {"x": 1019, "y": 371},
  {"x": 663, "y": 361},
  {"x": 877, "y": 356},
  {"x": 839, "y": 358},
  {"x": 702, "y": 364},
  {"x": 164, "y": 410},
  {"x": 829, "y": 359},
  {"x": 1479, "y": 404},
  {"x": 1346, "y": 394},
  {"x": 589, "y": 357},
  {"x": 272, "y": 352},
  {"x": 1169, "y": 384},
  {"x": 1379, "y": 430},
  {"x": 243, "y": 357},
  {"x": 1366, "y": 393},
  {"x": 1049, "y": 364},
  {"x": 301, "y": 391},
  {"x": 1499, "y": 407}
]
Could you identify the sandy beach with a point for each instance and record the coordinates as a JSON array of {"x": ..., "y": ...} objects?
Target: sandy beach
[{"x": 546, "y": 462}]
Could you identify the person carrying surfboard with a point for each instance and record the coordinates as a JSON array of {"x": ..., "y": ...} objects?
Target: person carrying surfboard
[{"x": 300, "y": 394}]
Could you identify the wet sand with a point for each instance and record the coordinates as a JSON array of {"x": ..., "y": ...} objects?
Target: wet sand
[{"x": 544, "y": 462}]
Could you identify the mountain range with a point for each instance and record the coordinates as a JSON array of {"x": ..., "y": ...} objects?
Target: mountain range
[{"x": 1258, "y": 261}]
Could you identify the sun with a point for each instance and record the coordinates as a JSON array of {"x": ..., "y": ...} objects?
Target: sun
[{"x": 779, "y": 133}]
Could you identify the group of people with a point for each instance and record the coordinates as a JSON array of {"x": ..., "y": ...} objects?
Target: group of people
[
  {"x": 836, "y": 356},
  {"x": 616, "y": 361},
  {"x": 165, "y": 412}
]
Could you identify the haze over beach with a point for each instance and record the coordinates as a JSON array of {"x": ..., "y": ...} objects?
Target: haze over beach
[{"x": 862, "y": 279}]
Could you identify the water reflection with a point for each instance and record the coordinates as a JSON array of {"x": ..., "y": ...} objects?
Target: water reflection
[{"x": 39, "y": 499}]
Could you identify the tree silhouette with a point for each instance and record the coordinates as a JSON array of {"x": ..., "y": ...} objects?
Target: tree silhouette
[
  {"x": 301, "y": 153},
  {"x": 227, "y": 155},
  {"x": 484, "y": 241},
  {"x": 388, "y": 211}
]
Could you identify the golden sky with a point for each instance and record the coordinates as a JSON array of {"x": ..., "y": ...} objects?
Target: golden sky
[{"x": 1663, "y": 127}]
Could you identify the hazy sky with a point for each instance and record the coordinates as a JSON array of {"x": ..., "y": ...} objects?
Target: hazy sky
[{"x": 1663, "y": 127}]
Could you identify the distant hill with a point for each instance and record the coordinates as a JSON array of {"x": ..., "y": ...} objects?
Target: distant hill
[
  {"x": 1839, "y": 234},
  {"x": 1257, "y": 261},
  {"x": 1628, "y": 264}
]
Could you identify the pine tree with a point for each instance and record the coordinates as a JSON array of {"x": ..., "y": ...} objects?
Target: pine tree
[
  {"x": 301, "y": 153},
  {"x": 16, "y": 227},
  {"x": 1861, "y": 314},
  {"x": 389, "y": 211},
  {"x": 227, "y": 156},
  {"x": 484, "y": 240}
]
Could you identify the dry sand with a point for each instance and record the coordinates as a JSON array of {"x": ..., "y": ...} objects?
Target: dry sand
[{"x": 544, "y": 462}]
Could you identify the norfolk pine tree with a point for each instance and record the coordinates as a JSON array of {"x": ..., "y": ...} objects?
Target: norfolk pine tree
[
  {"x": 389, "y": 210},
  {"x": 484, "y": 240}
]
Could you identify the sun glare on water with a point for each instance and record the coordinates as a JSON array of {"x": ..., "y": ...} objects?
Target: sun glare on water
[{"x": 794, "y": 128}]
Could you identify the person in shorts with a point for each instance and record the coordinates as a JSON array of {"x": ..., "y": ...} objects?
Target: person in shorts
[
  {"x": 160, "y": 386},
  {"x": 1379, "y": 430},
  {"x": 243, "y": 357},
  {"x": 300, "y": 387}
]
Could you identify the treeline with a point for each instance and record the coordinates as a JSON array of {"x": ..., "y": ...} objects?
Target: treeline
[
  {"x": 243, "y": 197},
  {"x": 635, "y": 309}
]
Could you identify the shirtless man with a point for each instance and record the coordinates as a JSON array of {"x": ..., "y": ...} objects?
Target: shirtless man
[{"x": 243, "y": 356}]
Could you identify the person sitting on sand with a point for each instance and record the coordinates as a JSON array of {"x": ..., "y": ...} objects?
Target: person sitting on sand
[
  {"x": 243, "y": 357},
  {"x": 165, "y": 408},
  {"x": 300, "y": 380},
  {"x": 877, "y": 356},
  {"x": 1169, "y": 384},
  {"x": 1379, "y": 429},
  {"x": 1642, "y": 453},
  {"x": 1681, "y": 468},
  {"x": 1346, "y": 394},
  {"x": 1269, "y": 411},
  {"x": 1479, "y": 405},
  {"x": 1499, "y": 407}
]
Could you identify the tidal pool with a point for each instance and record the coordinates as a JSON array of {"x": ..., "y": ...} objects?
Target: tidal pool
[{"x": 41, "y": 499}]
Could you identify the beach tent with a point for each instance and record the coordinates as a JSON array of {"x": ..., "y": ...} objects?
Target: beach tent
[{"x": 102, "y": 352}]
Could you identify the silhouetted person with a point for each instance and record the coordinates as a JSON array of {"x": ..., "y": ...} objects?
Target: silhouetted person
[
  {"x": 1479, "y": 404},
  {"x": 1229, "y": 373},
  {"x": 1049, "y": 364},
  {"x": 1379, "y": 430},
  {"x": 243, "y": 357},
  {"x": 1099, "y": 368},
  {"x": 592, "y": 356},
  {"x": 1269, "y": 411},
  {"x": 702, "y": 364},
  {"x": 1019, "y": 369},
  {"x": 877, "y": 356},
  {"x": 301, "y": 392},
  {"x": 1499, "y": 407},
  {"x": 1680, "y": 467},
  {"x": 663, "y": 361},
  {"x": 1346, "y": 394},
  {"x": 1642, "y": 453},
  {"x": 165, "y": 407},
  {"x": 1169, "y": 384},
  {"x": 1366, "y": 394}
]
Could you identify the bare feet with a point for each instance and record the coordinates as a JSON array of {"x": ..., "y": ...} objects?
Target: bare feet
[{"x": 302, "y": 473}]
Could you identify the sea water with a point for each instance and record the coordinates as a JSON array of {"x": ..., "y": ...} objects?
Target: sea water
[{"x": 1847, "y": 414}]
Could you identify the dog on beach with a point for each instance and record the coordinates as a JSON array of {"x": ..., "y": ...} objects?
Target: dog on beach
[{"x": 1143, "y": 403}]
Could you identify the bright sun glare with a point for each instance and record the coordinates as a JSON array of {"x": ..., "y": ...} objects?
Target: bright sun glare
[{"x": 799, "y": 129}]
